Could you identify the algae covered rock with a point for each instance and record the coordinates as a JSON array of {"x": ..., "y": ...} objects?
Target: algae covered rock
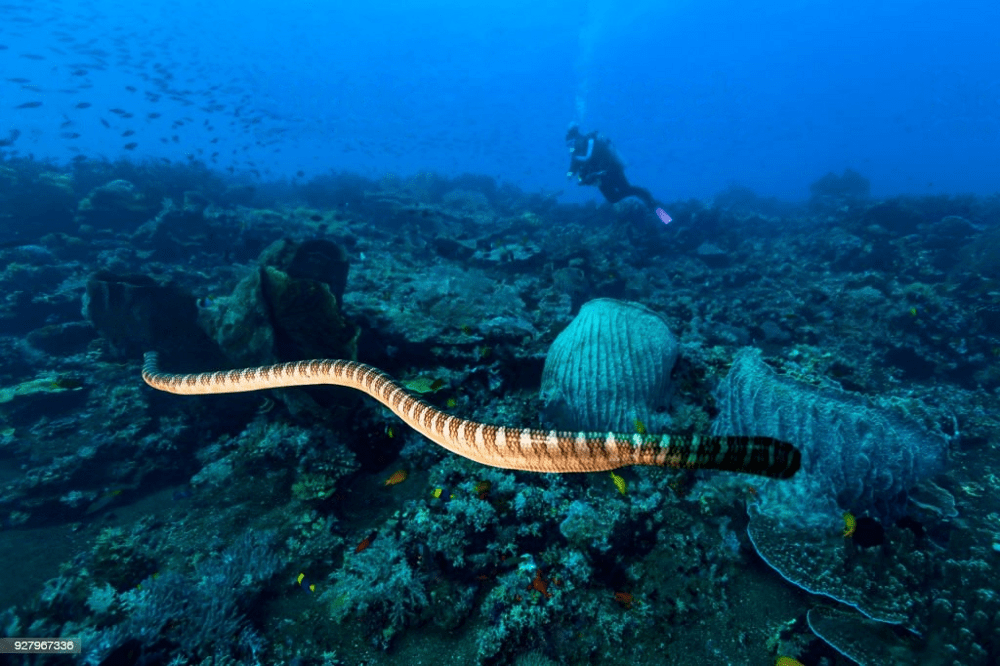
[
  {"x": 307, "y": 319},
  {"x": 317, "y": 259},
  {"x": 287, "y": 309}
]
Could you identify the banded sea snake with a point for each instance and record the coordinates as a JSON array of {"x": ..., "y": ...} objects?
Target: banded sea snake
[{"x": 498, "y": 446}]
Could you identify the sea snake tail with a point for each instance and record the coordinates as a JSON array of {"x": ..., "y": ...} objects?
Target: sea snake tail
[{"x": 498, "y": 446}]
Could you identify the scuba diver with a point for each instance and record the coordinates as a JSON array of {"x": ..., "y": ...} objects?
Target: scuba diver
[{"x": 594, "y": 161}]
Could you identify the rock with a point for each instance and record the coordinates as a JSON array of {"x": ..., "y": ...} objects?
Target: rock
[
  {"x": 118, "y": 204},
  {"x": 320, "y": 260}
]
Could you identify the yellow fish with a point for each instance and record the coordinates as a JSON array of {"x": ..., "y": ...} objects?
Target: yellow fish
[
  {"x": 306, "y": 585},
  {"x": 156, "y": 574},
  {"x": 787, "y": 661},
  {"x": 620, "y": 483},
  {"x": 849, "y": 524},
  {"x": 640, "y": 427},
  {"x": 397, "y": 477},
  {"x": 452, "y": 403}
]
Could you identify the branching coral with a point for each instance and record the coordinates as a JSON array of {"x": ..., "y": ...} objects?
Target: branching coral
[{"x": 378, "y": 586}]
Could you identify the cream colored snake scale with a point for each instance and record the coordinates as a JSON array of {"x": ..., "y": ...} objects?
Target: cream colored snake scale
[{"x": 498, "y": 446}]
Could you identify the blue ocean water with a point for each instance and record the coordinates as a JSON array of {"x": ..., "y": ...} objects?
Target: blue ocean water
[{"x": 696, "y": 95}]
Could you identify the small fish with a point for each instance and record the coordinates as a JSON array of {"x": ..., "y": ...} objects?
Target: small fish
[
  {"x": 118, "y": 111},
  {"x": 390, "y": 433},
  {"x": 78, "y": 72},
  {"x": 482, "y": 489},
  {"x": 128, "y": 132},
  {"x": 451, "y": 403},
  {"x": 83, "y": 105},
  {"x": 32, "y": 56},
  {"x": 28, "y": 105},
  {"x": 130, "y": 146},
  {"x": 154, "y": 576},
  {"x": 624, "y": 599},
  {"x": 70, "y": 135},
  {"x": 913, "y": 312},
  {"x": 367, "y": 541},
  {"x": 182, "y": 494},
  {"x": 207, "y": 302},
  {"x": 105, "y": 123},
  {"x": 397, "y": 477},
  {"x": 67, "y": 383},
  {"x": 540, "y": 585},
  {"x": 442, "y": 493},
  {"x": 102, "y": 501},
  {"x": 787, "y": 661},
  {"x": 19, "y": 79},
  {"x": 620, "y": 483},
  {"x": 304, "y": 583},
  {"x": 424, "y": 384},
  {"x": 153, "y": 116},
  {"x": 640, "y": 427},
  {"x": 850, "y": 524}
]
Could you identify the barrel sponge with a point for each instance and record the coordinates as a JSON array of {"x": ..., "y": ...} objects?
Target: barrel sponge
[
  {"x": 856, "y": 456},
  {"x": 610, "y": 367}
]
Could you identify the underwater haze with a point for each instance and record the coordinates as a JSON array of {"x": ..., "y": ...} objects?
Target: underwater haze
[{"x": 697, "y": 96}]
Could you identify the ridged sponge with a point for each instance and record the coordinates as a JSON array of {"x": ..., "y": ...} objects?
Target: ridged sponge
[
  {"x": 609, "y": 368},
  {"x": 856, "y": 456}
]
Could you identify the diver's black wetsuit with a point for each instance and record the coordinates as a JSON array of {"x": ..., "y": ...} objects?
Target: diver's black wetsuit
[{"x": 594, "y": 161}]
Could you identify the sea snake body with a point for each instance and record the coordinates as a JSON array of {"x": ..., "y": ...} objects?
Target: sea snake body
[{"x": 497, "y": 446}]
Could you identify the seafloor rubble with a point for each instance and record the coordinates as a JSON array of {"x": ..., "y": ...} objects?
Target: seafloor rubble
[{"x": 310, "y": 526}]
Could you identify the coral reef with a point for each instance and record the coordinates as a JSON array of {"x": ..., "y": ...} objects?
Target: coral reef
[
  {"x": 192, "y": 616},
  {"x": 260, "y": 528}
]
